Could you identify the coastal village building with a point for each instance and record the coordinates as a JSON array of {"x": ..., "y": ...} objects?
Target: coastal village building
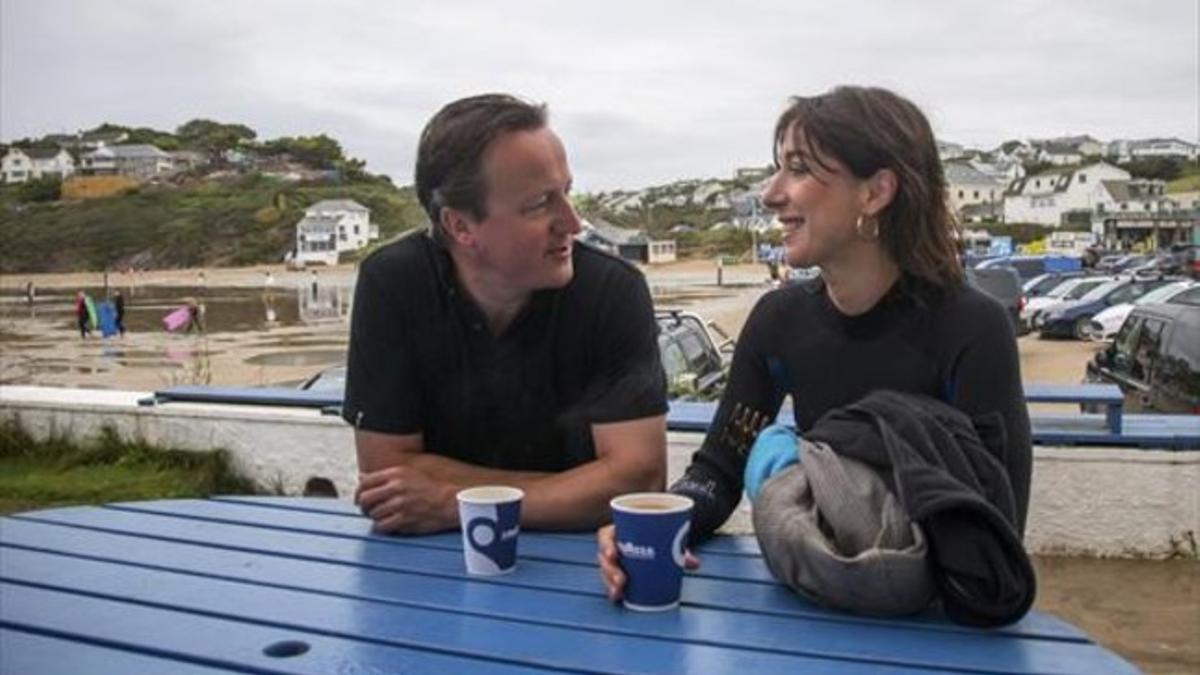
[
  {"x": 1138, "y": 212},
  {"x": 632, "y": 245},
  {"x": 1164, "y": 147},
  {"x": 967, "y": 186},
  {"x": 141, "y": 162},
  {"x": 1049, "y": 198},
  {"x": 331, "y": 227},
  {"x": 1124, "y": 150},
  {"x": 22, "y": 164}
]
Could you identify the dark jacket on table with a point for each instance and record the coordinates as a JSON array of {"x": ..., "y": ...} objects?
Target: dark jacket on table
[{"x": 948, "y": 472}]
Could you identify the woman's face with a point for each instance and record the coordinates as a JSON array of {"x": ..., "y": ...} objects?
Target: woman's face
[{"x": 817, "y": 206}]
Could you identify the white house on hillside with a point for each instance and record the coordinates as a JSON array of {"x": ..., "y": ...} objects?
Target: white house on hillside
[
  {"x": 330, "y": 227},
  {"x": 1163, "y": 147},
  {"x": 1137, "y": 195},
  {"x": 136, "y": 161},
  {"x": 19, "y": 165},
  {"x": 1046, "y": 197},
  {"x": 1059, "y": 154},
  {"x": 966, "y": 186}
]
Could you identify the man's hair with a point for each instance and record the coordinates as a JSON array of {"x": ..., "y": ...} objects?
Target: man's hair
[
  {"x": 868, "y": 129},
  {"x": 449, "y": 169}
]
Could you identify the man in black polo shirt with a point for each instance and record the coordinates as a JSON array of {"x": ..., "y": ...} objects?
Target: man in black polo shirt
[{"x": 493, "y": 349}]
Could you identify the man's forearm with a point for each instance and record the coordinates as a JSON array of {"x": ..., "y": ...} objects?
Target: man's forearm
[{"x": 573, "y": 499}]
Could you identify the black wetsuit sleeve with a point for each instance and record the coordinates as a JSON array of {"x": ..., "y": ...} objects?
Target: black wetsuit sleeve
[
  {"x": 987, "y": 380},
  {"x": 751, "y": 400}
]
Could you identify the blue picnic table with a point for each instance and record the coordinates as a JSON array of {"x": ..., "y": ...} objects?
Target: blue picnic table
[{"x": 290, "y": 585}]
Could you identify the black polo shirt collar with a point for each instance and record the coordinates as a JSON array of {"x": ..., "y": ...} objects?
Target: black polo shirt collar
[{"x": 465, "y": 306}]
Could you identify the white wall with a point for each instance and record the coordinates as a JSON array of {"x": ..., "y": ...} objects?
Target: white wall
[{"x": 1084, "y": 501}]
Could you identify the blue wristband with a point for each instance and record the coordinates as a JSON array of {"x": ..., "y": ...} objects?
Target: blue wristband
[{"x": 774, "y": 450}]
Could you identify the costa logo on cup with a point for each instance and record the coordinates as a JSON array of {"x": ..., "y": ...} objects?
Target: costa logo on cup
[
  {"x": 651, "y": 530},
  {"x": 490, "y": 518}
]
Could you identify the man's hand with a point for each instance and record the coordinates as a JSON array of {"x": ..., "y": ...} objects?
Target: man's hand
[
  {"x": 610, "y": 565},
  {"x": 406, "y": 500}
]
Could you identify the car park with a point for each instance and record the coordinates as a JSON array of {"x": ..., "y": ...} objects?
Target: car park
[
  {"x": 1074, "y": 319},
  {"x": 1106, "y": 323},
  {"x": 1154, "y": 359}
]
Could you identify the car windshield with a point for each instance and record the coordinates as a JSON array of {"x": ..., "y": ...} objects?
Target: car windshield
[
  {"x": 1162, "y": 294},
  {"x": 1061, "y": 290},
  {"x": 1099, "y": 292},
  {"x": 1079, "y": 290}
]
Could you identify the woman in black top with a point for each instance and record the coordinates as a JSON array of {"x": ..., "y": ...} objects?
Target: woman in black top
[{"x": 859, "y": 190}]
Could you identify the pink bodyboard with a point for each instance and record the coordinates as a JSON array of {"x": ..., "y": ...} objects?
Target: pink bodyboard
[{"x": 177, "y": 319}]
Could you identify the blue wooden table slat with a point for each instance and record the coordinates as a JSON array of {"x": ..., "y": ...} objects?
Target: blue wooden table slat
[
  {"x": 143, "y": 580},
  {"x": 22, "y": 652}
]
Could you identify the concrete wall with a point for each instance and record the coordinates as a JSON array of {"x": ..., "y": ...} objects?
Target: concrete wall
[{"x": 1085, "y": 501}]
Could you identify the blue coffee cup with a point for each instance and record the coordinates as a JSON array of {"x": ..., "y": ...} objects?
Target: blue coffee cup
[
  {"x": 651, "y": 531},
  {"x": 490, "y": 516}
]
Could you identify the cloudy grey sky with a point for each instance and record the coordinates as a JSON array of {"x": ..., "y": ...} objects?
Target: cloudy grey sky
[{"x": 641, "y": 91}]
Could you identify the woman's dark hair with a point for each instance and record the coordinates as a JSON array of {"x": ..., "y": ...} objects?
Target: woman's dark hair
[
  {"x": 868, "y": 129},
  {"x": 450, "y": 154}
]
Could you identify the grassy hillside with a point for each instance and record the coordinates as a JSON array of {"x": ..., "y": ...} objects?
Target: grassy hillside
[{"x": 241, "y": 221}]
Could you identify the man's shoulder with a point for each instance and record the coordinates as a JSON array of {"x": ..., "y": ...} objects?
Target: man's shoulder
[
  {"x": 596, "y": 268},
  {"x": 409, "y": 253}
]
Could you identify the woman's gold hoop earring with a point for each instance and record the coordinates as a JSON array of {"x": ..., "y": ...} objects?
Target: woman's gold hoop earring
[{"x": 858, "y": 227}]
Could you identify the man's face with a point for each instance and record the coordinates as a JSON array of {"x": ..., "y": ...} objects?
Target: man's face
[{"x": 524, "y": 243}]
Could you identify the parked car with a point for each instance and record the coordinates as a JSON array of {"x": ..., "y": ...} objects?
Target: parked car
[
  {"x": 1029, "y": 266},
  {"x": 1067, "y": 291},
  {"x": 1154, "y": 359},
  {"x": 693, "y": 360},
  {"x": 1117, "y": 263},
  {"x": 1074, "y": 319},
  {"x": 1003, "y": 284},
  {"x": 1044, "y": 283},
  {"x": 1106, "y": 324}
]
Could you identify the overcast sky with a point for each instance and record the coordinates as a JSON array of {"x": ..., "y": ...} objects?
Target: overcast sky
[{"x": 642, "y": 92}]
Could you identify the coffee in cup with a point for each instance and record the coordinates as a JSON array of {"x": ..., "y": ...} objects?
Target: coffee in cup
[{"x": 651, "y": 531}]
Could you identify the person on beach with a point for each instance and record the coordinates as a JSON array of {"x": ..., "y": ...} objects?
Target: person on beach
[
  {"x": 492, "y": 348},
  {"x": 119, "y": 311},
  {"x": 81, "y": 315},
  {"x": 860, "y": 193}
]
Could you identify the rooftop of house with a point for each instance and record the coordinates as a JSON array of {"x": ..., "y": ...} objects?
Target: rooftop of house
[
  {"x": 613, "y": 234},
  {"x": 41, "y": 153},
  {"x": 136, "y": 151},
  {"x": 1134, "y": 190},
  {"x": 962, "y": 172},
  {"x": 336, "y": 205}
]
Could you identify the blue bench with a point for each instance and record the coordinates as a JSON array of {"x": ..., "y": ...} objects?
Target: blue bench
[
  {"x": 1108, "y": 396},
  {"x": 1113, "y": 427},
  {"x": 272, "y": 396}
]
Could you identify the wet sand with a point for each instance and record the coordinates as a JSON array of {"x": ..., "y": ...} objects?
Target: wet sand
[{"x": 1148, "y": 611}]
